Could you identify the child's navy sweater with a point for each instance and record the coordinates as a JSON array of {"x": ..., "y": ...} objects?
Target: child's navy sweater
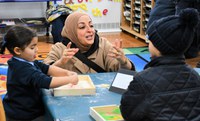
[{"x": 23, "y": 100}]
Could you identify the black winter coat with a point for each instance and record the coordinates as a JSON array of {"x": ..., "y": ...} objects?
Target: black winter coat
[{"x": 167, "y": 90}]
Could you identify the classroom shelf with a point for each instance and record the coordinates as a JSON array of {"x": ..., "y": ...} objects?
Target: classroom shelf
[{"x": 135, "y": 15}]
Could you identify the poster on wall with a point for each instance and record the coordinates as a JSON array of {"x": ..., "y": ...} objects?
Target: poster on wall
[{"x": 102, "y": 12}]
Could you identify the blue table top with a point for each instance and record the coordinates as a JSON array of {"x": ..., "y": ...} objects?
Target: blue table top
[{"x": 76, "y": 108}]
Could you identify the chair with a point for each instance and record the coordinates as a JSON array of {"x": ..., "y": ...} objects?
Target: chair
[{"x": 2, "y": 113}]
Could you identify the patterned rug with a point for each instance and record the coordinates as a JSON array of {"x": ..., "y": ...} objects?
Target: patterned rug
[{"x": 139, "y": 56}]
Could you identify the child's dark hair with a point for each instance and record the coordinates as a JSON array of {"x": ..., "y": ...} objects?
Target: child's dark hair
[{"x": 17, "y": 36}]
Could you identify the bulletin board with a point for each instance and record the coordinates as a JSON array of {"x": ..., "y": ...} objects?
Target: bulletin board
[{"x": 99, "y": 10}]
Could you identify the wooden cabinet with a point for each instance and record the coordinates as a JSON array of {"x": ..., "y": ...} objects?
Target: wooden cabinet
[{"x": 135, "y": 15}]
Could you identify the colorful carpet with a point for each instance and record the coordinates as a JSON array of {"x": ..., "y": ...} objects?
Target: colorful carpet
[
  {"x": 136, "y": 50},
  {"x": 139, "y": 56}
]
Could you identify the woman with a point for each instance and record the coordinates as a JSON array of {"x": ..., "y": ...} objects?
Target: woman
[{"x": 86, "y": 44}]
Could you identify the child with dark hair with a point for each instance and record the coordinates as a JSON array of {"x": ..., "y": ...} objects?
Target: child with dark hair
[
  {"x": 27, "y": 76},
  {"x": 167, "y": 89}
]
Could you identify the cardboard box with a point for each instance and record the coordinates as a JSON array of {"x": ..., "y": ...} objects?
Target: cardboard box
[
  {"x": 85, "y": 86},
  {"x": 106, "y": 113}
]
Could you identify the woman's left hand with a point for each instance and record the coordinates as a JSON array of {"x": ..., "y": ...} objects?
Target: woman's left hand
[{"x": 117, "y": 53}]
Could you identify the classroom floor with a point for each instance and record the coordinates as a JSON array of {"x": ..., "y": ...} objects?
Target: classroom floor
[{"x": 129, "y": 41}]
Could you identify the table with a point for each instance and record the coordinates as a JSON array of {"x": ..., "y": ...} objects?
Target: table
[
  {"x": 197, "y": 70},
  {"x": 76, "y": 108}
]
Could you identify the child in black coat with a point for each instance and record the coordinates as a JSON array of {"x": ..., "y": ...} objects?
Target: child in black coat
[{"x": 167, "y": 89}]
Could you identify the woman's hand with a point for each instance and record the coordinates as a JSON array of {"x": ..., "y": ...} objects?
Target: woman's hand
[
  {"x": 68, "y": 53},
  {"x": 118, "y": 43},
  {"x": 117, "y": 53}
]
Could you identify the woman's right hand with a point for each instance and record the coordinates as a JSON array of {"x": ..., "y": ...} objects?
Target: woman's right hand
[{"x": 68, "y": 53}]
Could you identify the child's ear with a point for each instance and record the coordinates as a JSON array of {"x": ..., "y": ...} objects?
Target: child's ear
[{"x": 17, "y": 50}]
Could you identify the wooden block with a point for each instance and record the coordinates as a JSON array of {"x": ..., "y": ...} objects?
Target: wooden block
[
  {"x": 106, "y": 113},
  {"x": 85, "y": 86}
]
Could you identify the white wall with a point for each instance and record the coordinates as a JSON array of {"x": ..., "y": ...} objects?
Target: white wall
[
  {"x": 37, "y": 9},
  {"x": 22, "y": 9}
]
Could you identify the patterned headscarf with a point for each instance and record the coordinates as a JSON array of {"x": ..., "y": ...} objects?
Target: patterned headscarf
[{"x": 70, "y": 30}]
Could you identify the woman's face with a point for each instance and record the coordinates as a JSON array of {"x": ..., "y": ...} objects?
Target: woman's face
[{"x": 85, "y": 30}]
